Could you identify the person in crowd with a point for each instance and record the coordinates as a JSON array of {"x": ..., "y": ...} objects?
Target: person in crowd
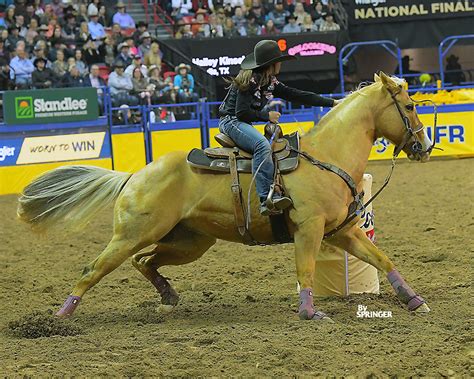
[
  {"x": 92, "y": 54},
  {"x": 30, "y": 15},
  {"x": 185, "y": 32},
  {"x": 142, "y": 27},
  {"x": 82, "y": 14},
  {"x": 70, "y": 30},
  {"x": 253, "y": 29},
  {"x": 181, "y": 8},
  {"x": 145, "y": 44},
  {"x": 39, "y": 52},
  {"x": 93, "y": 6},
  {"x": 80, "y": 63},
  {"x": 42, "y": 77},
  {"x": 21, "y": 69},
  {"x": 57, "y": 8},
  {"x": 141, "y": 88},
  {"x": 163, "y": 92},
  {"x": 96, "y": 30},
  {"x": 184, "y": 84},
  {"x": 116, "y": 36},
  {"x": 270, "y": 29},
  {"x": 94, "y": 80},
  {"x": 42, "y": 30},
  {"x": 32, "y": 32},
  {"x": 278, "y": 15},
  {"x": 133, "y": 50},
  {"x": 60, "y": 66},
  {"x": 308, "y": 24},
  {"x": 20, "y": 23},
  {"x": 136, "y": 63},
  {"x": 6, "y": 83},
  {"x": 122, "y": 18},
  {"x": 4, "y": 53},
  {"x": 198, "y": 21},
  {"x": 202, "y": 4},
  {"x": 291, "y": 26},
  {"x": 38, "y": 6},
  {"x": 124, "y": 55},
  {"x": 13, "y": 37},
  {"x": 317, "y": 12},
  {"x": 83, "y": 34},
  {"x": 300, "y": 13},
  {"x": 48, "y": 14},
  {"x": 103, "y": 18},
  {"x": 239, "y": 19},
  {"x": 73, "y": 78},
  {"x": 213, "y": 28},
  {"x": 154, "y": 56},
  {"x": 329, "y": 24},
  {"x": 10, "y": 16},
  {"x": 453, "y": 73},
  {"x": 244, "y": 105},
  {"x": 259, "y": 13},
  {"x": 107, "y": 51},
  {"x": 229, "y": 28},
  {"x": 120, "y": 86}
]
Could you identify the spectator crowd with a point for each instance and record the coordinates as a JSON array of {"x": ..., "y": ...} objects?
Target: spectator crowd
[
  {"x": 58, "y": 43},
  {"x": 232, "y": 18}
]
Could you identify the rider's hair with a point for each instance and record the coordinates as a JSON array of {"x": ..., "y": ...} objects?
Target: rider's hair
[{"x": 263, "y": 77}]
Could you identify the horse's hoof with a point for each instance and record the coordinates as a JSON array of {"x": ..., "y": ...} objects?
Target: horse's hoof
[
  {"x": 165, "y": 308},
  {"x": 423, "y": 308},
  {"x": 321, "y": 316}
]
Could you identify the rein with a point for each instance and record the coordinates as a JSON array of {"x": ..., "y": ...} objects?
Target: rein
[{"x": 357, "y": 206}]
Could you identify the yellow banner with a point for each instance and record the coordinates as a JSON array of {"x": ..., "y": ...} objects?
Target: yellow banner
[
  {"x": 454, "y": 134},
  {"x": 61, "y": 148}
]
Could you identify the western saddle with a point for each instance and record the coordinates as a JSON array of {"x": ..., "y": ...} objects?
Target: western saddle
[{"x": 231, "y": 159}]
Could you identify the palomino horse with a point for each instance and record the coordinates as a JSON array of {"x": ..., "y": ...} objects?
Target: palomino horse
[{"x": 182, "y": 211}]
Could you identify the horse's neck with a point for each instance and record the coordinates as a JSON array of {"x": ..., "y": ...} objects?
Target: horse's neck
[{"x": 345, "y": 136}]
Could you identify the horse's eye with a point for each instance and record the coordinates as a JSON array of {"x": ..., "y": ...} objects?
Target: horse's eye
[{"x": 410, "y": 107}]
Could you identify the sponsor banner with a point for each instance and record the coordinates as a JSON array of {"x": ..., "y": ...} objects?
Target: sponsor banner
[
  {"x": 382, "y": 11},
  {"x": 315, "y": 52},
  {"x": 54, "y": 148},
  {"x": 50, "y": 106},
  {"x": 454, "y": 134}
]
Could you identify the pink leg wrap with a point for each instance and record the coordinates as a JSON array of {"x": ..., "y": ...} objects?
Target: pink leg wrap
[
  {"x": 306, "y": 310},
  {"x": 69, "y": 306},
  {"x": 404, "y": 291}
]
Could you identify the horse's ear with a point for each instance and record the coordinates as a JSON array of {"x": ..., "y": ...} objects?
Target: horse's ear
[
  {"x": 376, "y": 78},
  {"x": 387, "y": 81}
]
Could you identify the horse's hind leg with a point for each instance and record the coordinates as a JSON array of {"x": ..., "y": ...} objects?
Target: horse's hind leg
[
  {"x": 181, "y": 246},
  {"x": 355, "y": 242}
]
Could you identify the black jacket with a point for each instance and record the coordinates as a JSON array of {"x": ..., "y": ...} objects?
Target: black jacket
[
  {"x": 39, "y": 78},
  {"x": 248, "y": 105}
]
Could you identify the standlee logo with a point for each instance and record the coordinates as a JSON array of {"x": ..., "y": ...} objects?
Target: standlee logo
[
  {"x": 26, "y": 107},
  {"x": 362, "y": 312},
  {"x": 6, "y": 151}
]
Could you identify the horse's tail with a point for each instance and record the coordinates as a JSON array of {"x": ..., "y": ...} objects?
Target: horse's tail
[{"x": 69, "y": 194}]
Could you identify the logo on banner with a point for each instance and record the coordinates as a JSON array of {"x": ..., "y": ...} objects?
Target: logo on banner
[
  {"x": 312, "y": 48},
  {"x": 6, "y": 151},
  {"x": 24, "y": 107},
  {"x": 363, "y": 312},
  {"x": 61, "y": 148}
]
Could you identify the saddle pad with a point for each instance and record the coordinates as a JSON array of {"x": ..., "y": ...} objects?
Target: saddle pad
[{"x": 198, "y": 159}]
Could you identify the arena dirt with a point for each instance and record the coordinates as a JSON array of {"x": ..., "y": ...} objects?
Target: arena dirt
[{"x": 237, "y": 311}]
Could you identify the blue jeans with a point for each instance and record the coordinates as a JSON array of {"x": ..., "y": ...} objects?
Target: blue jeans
[{"x": 252, "y": 141}]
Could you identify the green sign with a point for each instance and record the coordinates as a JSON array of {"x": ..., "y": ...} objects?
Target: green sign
[{"x": 50, "y": 106}]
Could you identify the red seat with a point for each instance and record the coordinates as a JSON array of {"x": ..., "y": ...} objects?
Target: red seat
[{"x": 169, "y": 74}]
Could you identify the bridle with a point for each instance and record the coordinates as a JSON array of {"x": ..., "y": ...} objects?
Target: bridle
[
  {"x": 357, "y": 206},
  {"x": 410, "y": 133}
]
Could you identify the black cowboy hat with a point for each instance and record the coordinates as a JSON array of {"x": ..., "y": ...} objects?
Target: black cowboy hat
[
  {"x": 266, "y": 52},
  {"x": 142, "y": 23},
  {"x": 35, "y": 63},
  {"x": 290, "y": 17}
]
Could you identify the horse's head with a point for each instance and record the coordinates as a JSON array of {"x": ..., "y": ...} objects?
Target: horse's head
[{"x": 399, "y": 122}]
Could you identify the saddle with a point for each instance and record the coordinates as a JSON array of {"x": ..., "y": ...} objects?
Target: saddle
[{"x": 231, "y": 159}]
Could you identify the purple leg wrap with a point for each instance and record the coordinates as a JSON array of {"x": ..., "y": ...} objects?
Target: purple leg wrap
[
  {"x": 404, "y": 291},
  {"x": 168, "y": 295},
  {"x": 69, "y": 306},
  {"x": 306, "y": 310}
]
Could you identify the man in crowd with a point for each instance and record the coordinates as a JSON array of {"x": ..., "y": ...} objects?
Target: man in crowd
[
  {"x": 291, "y": 26},
  {"x": 73, "y": 78},
  {"x": 124, "y": 54},
  {"x": 142, "y": 27},
  {"x": 96, "y": 29},
  {"x": 21, "y": 69},
  {"x": 136, "y": 62},
  {"x": 120, "y": 86},
  {"x": 42, "y": 77},
  {"x": 94, "y": 80},
  {"x": 122, "y": 18},
  {"x": 278, "y": 15},
  {"x": 145, "y": 44}
]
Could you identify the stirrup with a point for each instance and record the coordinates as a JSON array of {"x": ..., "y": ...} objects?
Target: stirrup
[{"x": 278, "y": 204}]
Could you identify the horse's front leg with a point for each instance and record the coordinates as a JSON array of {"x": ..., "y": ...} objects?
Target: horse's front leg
[
  {"x": 355, "y": 242},
  {"x": 308, "y": 239}
]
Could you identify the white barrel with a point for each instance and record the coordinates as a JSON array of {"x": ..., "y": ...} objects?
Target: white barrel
[{"x": 339, "y": 273}]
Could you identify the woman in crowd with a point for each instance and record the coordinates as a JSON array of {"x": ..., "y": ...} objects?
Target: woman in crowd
[
  {"x": 299, "y": 13},
  {"x": 10, "y": 16},
  {"x": 154, "y": 56},
  {"x": 80, "y": 64},
  {"x": 141, "y": 87},
  {"x": 270, "y": 29},
  {"x": 229, "y": 28},
  {"x": 59, "y": 66},
  {"x": 83, "y": 34},
  {"x": 32, "y": 32},
  {"x": 163, "y": 92},
  {"x": 184, "y": 83},
  {"x": 107, "y": 51},
  {"x": 91, "y": 54},
  {"x": 308, "y": 25}
]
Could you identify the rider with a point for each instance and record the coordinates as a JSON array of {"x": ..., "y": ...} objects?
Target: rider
[{"x": 249, "y": 92}]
